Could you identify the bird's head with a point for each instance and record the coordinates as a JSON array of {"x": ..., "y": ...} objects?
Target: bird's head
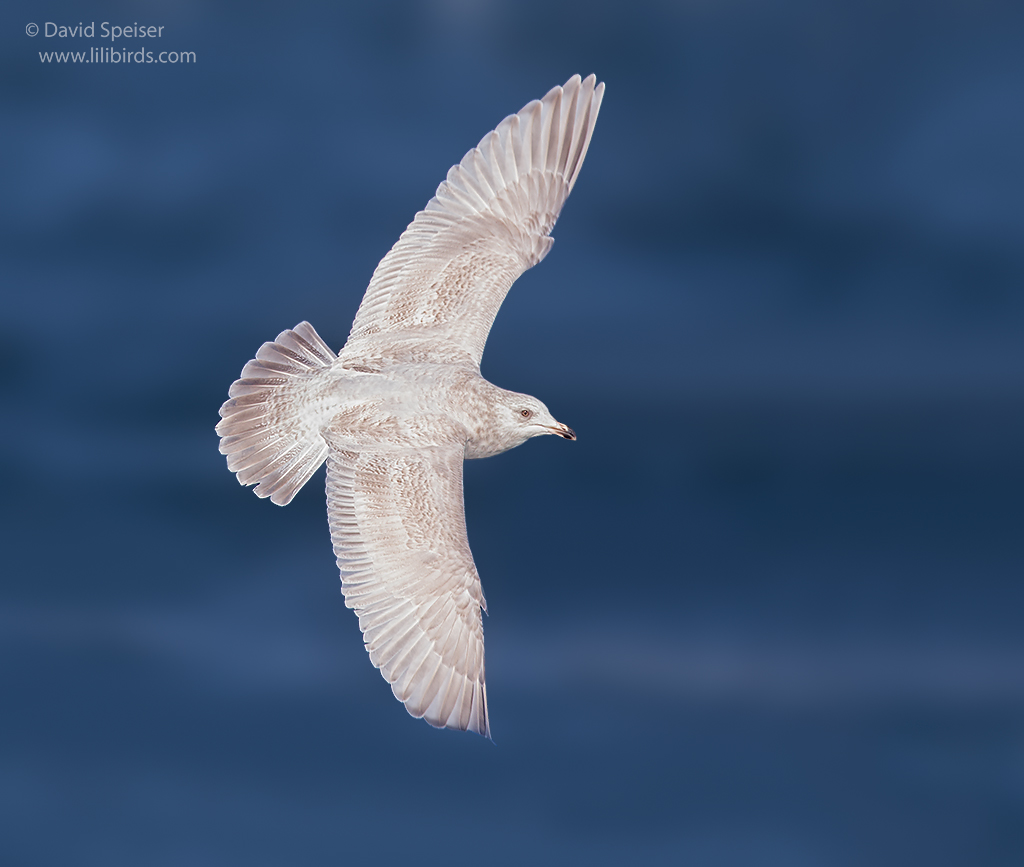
[
  {"x": 509, "y": 421},
  {"x": 527, "y": 417}
]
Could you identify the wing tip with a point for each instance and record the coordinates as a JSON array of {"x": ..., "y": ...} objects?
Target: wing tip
[{"x": 468, "y": 715}]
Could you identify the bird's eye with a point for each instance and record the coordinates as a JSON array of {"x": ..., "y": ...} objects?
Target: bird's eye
[{"x": 525, "y": 413}]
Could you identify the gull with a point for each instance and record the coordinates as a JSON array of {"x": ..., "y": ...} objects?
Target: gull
[{"x": 396, "y": 412}]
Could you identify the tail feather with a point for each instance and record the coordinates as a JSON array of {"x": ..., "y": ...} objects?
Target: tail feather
[{"x": 270, "y": 426}]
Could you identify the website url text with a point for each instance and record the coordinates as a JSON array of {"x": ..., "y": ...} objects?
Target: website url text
[{"x": 113, "y": 55}]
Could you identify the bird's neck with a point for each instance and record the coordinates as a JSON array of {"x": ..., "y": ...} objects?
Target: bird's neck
[{"x": 486, "y": 416}]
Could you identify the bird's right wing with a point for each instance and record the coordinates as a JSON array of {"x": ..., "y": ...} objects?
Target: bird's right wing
[
  {"x": 442, "y": 283},
  {"x": 399, "y": 531}
]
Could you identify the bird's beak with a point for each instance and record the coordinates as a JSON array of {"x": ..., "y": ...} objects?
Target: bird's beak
[{"x": 563, "y": 431}]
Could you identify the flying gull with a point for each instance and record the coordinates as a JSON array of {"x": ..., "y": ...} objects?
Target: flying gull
[{"x": 403, "y": 404}]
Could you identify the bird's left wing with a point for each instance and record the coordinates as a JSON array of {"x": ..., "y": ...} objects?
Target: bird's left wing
[
  {"x": 442, "y": 283},
  {"x": 398, "y": 526}
]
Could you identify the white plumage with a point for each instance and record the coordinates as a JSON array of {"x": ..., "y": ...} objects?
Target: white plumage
[{"x": 397, "y": 411}]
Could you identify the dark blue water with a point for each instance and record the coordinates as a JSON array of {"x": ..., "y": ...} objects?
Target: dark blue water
[{"x": 767, "y": 610}]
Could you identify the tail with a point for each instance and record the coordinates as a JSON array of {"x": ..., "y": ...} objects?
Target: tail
[{"x": 270, "y": 427}]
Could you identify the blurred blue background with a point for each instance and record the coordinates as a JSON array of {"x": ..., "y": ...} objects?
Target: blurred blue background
[{"x": 767, "y": 610}]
